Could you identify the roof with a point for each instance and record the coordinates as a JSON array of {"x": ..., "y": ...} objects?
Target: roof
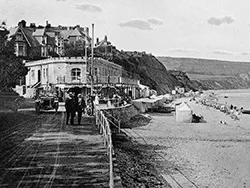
[
  {"x": 39, "y": 32},
  {"x": 51, "y": 34},
  {"x": 103, "y": 42},
  {"x": 183, "y": 107},
  {"x": 75, "y": 32},
  {"x": 13, "y": 31},
  {"x": 28, "y": 35}
]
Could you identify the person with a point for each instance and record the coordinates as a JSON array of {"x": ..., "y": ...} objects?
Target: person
[
  {"x": 70, "y": 108},
  {"x": 80, "y": 107}
]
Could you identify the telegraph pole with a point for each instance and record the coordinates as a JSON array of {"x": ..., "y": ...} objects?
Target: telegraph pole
[{"x": 92, "y": 61}]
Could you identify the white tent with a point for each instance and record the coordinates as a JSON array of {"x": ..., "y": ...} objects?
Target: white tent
[
  {"x": 184, "y": 113},
  {"x": 144, "y": 90}
]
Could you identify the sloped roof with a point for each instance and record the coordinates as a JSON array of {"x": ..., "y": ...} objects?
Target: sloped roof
[
  {"x": 51, "y": 34},
  {"x": 183, "y": 107},
  {"x": 39, "y": 32},
  {"x": 75, "y": 32},
  {"x": 13, "y": 31},
  {"x": 28, "y": 35},
  {"x": 103, "y": 43},
  {"x": 65, "y": 33}
]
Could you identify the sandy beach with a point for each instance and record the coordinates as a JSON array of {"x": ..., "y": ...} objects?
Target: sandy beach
[{"x": 207, "y": 154}]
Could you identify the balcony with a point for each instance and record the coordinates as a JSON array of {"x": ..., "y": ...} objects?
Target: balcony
[
  {"x": 129, "y": 81},
  {"x": 106, "y": 79}
]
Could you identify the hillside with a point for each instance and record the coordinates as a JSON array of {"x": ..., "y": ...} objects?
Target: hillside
[
  {"x": 205, "y": 66},
  {"x": 212, "y": 74},
  {"x": 151, "y": 71}
]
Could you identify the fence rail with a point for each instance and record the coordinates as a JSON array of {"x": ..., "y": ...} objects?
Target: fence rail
[{"x": 104, "y": 127}]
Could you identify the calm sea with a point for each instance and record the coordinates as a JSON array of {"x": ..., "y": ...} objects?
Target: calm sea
[{"x": 240, "y": 98}]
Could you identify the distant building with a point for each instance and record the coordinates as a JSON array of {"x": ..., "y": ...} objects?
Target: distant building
[
  {"x": 104, "y": 46},
  {"x": 62, "y": 74}
]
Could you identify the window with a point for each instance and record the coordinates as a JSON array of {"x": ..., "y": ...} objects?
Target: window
[
  {"x": 19, "y": 36},
  {"x": 44, "y": 72},
  {"x": 76, "y": 74},
  {"x": 32, "y": 74},
  {"x": 95, "y": 71}
]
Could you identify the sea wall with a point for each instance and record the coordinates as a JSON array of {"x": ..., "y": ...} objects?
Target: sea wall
[{"x": 123, "y": 113}]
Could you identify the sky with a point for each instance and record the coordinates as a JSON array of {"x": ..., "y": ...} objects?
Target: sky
[{"x": 211, "y": 29}]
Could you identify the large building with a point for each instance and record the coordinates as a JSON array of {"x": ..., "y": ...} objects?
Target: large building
[
  {"x": 61, "y": 74},
  {"x": 36, "y": 42}
]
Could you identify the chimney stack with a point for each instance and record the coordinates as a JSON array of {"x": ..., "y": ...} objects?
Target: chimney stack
[
  {"x": 22, "y": 24},
  {"x": 86, "y": 30}
]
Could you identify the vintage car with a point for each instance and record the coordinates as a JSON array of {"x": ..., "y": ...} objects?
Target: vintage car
[{"x": 46, "y": 102}]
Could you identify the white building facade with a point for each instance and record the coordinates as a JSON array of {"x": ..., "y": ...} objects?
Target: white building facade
[{"x": 61, "y": 74}]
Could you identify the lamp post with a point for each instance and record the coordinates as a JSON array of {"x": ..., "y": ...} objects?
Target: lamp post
[{"x": 92, "y": 60}]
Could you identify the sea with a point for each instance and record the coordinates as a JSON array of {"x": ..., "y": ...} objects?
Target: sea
[{"x": 238, "y": 97}]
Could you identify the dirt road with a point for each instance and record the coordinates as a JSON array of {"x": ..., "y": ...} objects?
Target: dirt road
[{"x": 44, "y": 152}]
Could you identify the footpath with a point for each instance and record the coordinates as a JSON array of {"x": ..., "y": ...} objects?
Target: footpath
[{"x": 57, "y": 155}]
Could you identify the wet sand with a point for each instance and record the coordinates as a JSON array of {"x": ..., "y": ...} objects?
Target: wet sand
[{"x": 209, "y": 154}]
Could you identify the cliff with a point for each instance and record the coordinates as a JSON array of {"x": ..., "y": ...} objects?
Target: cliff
[
  {"x": 151, "y": 71},
  {"x": 212, "y": 74}
]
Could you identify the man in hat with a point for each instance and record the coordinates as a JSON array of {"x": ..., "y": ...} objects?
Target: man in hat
[
  {"x": 80, "y": 107},
  {"x": 70, "y": 108}
]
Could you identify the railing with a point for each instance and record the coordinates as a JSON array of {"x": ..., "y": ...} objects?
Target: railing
[
  {"x": 103, "y": 125},
  {"x": 115, "y": 121}
]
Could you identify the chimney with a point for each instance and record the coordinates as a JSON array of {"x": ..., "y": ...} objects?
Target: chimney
[
  {"x": 97, "y": 40},
  {"x": 106, "y": 38},
  {"x": 32, "y": 25},
  {"x": 22, "y": 24},
  {"x": 47, "y": 24},
  {"x": 86, "y": 30}
]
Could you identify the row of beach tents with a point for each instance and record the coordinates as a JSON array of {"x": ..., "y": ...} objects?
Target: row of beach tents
[{"x": 183, "y": 111}]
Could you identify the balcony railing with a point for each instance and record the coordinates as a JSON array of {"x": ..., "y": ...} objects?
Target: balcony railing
[{"x": 97, "y": 80}]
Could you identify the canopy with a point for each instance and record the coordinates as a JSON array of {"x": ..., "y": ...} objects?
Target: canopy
[{"x": 144, "y": 104}]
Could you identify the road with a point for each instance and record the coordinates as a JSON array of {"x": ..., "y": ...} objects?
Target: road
[{"x": 45, "y": 152}]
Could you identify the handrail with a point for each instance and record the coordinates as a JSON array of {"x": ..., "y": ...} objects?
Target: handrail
[
  {"x": 103, "y": 125},
  {"x": 118, "y": 121}
]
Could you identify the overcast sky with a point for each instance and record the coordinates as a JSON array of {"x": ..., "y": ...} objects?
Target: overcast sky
[{"x": 217, "y": 29}]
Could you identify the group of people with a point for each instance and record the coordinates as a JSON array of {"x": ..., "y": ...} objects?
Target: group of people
[
  {"x": 74, "y": 105},
  {"x": 231, "y": 110}
]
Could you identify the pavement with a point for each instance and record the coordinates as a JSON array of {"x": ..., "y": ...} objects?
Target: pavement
[{"x": 45, "y": 152}]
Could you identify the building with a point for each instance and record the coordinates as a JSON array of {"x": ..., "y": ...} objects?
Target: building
[
  {"x": 104, "y": 46},
  {"x": 36, "y": 42},
  {"x": 64, "y": 73}
]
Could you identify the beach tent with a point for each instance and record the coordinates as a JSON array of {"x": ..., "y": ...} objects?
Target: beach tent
[
  {"x": 144, "y": 91},
  {"x": 184, "y": 113}
]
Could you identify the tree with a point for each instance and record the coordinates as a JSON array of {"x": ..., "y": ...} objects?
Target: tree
[
  {"x": 11, "y": 67},
  {"x": 74, "y": 49}
]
